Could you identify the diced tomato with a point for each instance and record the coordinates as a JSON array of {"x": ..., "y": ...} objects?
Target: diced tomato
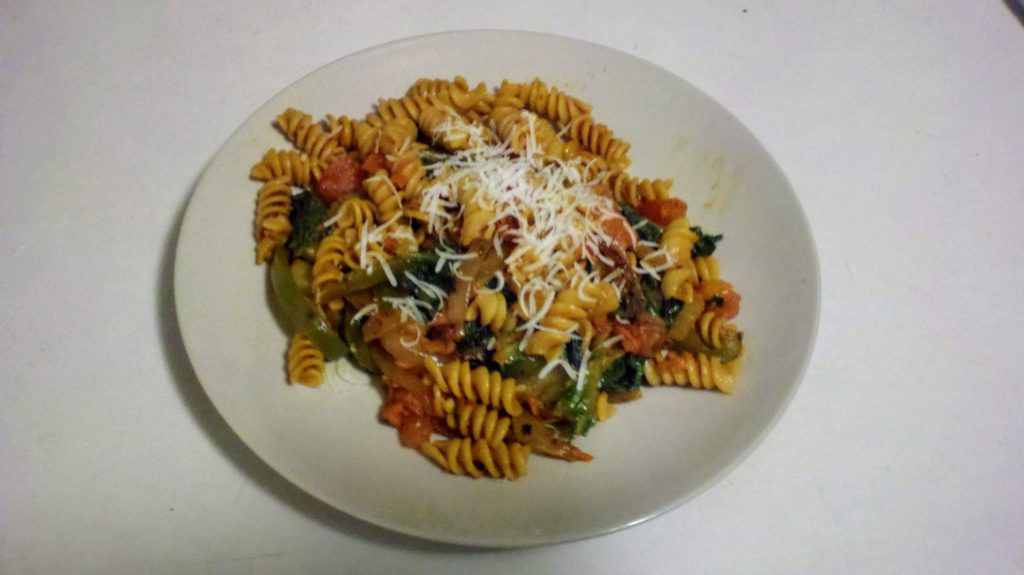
[
  {"x": 663, "y": 212},
  {"x": 602, "y": 327},
  {"x": 415, "y": 431},
  {"x": 374, "y": 162},
  {"x": 620, "y": 231},
  {"x": 400, "y": 180},
  {"x": 339, "y": 179},
  {"x": 406, "y": 412},
  {"x": 601, "y": 189},
  {"x": 645, "y": 336},
  {"x": 730, "y": 305},
  {"x": 719, "y": 288}
]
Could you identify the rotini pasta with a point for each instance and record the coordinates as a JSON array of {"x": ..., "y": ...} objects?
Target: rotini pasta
[
  {"x": 478, "y": 422},
  {"x": 487, "y": 253},
  {"x": 691, "y": 370},
  {"x": 518, "y": 127},
  {"x": 475, "y": 385},
  {"x": 491, "y": 310},
  {"x": 712, "y": 329},
  {"x": 552, "y": 103},
  {"x": 384, "y": 195},
  {"x": 678, "y": 240},
  {"x": 273, "y": 206},
  {"x": 295, "y": 167},
  {"x": 461, "y": 457},
  {"x": 396, "y": 135},
  {"x": 599, "y": 139},
  {"x": 344, "y": 130},
  {"x": 634, "y": 191},
  {"x": 455, "y": 94},
  {"x": 305, "y": 361},
  {"x": 308, "y": 136},
  {"x": 444, "y": 129}
]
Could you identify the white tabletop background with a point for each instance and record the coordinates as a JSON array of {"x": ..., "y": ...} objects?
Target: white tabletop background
[{"x": 900, "y": 124}]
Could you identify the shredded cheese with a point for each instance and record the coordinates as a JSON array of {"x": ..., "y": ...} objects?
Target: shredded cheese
[{"x": 409, "y": 307}]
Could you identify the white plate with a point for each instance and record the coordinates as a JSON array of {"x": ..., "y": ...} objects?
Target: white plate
[{"x": 653, "y": 455}]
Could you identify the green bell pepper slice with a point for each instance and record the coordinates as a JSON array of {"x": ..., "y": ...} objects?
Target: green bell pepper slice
[{"x": 303, "y": 312}]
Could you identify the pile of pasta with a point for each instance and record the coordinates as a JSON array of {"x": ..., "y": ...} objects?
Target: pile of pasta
[{"x": 486, "y": 252}]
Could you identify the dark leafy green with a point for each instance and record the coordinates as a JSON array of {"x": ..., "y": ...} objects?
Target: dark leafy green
[
  {"x": 577, "y": 406},
  {"x": 474, "y": 342},
  {"x": 574, "y": 352},
  {"x": 670, "y": 309},
  {"x": 706, "y": 243},
  {"x": 308, "y": 215},
  {"x": 624, "y": 375},
  {"x": 512, "y": 362},
  {"x": 645, "y": 228}
]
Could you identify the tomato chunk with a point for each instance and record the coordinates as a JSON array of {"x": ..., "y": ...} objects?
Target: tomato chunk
[
  {"x": 373, "y": 163},
  {"x": 406, "y": 412},
  {"x": 339, "y": 179},
  {"x": 663, "y": 212},
  {"x": 619, "y": 230},
  {"x": 645, "y": 336},
  {"x": 720, "y": 297}
]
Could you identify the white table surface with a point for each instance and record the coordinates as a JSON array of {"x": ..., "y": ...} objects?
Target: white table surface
[{"x": 900, "y": 124}]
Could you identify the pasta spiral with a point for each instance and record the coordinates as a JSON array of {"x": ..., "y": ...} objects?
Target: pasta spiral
[
  {"x": 476, "y": 220},
  {"x": 478, "y": 422},
  {"x": 461, "y": 456},
  {"x": 551, "y": 103},
  {"x": 711, "y": 327},
  {"x": 367, "y": 137},
  {"x": 589, "y": 165},
  {"x": 296, "y": 167},
  {"x": 305, "y": 361},
  {"x": 571, "y": 306},
  {"x": 444, "y": 127},
  {"x": 354, "y": 213},
  {"x": 676, "y": 284},
  {"x": 273, "y": 206},
  {"x": 455, "y": 93},
  {"x": 686, "y": 369},
  {"x": 384, "y": 195},
  {"x": 477, "y": 385},
  {"x": 397, "y": 134},
  {"x": 633, "y": 191},
  {"x": 344, "y": 130},
  {"x": 335, "y": 253},
  {"x": 514, "y": 125},
  {"x": 407, "y": 107},
  {"x": 491, "y": 310},
  {"x": 408, "y": 175},
  {"x": 677, "y": 241},
  {"x": 599, "y": 139},
  {"x": 707, "y": 267},
  {"x": 308, "y": 136}
]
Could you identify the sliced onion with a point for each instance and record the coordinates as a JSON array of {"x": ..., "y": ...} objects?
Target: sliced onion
[
  {"x": 403, "y": 345},
  {"x": 394, "y": 375},
  {"x": 479, "y": 269}
]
